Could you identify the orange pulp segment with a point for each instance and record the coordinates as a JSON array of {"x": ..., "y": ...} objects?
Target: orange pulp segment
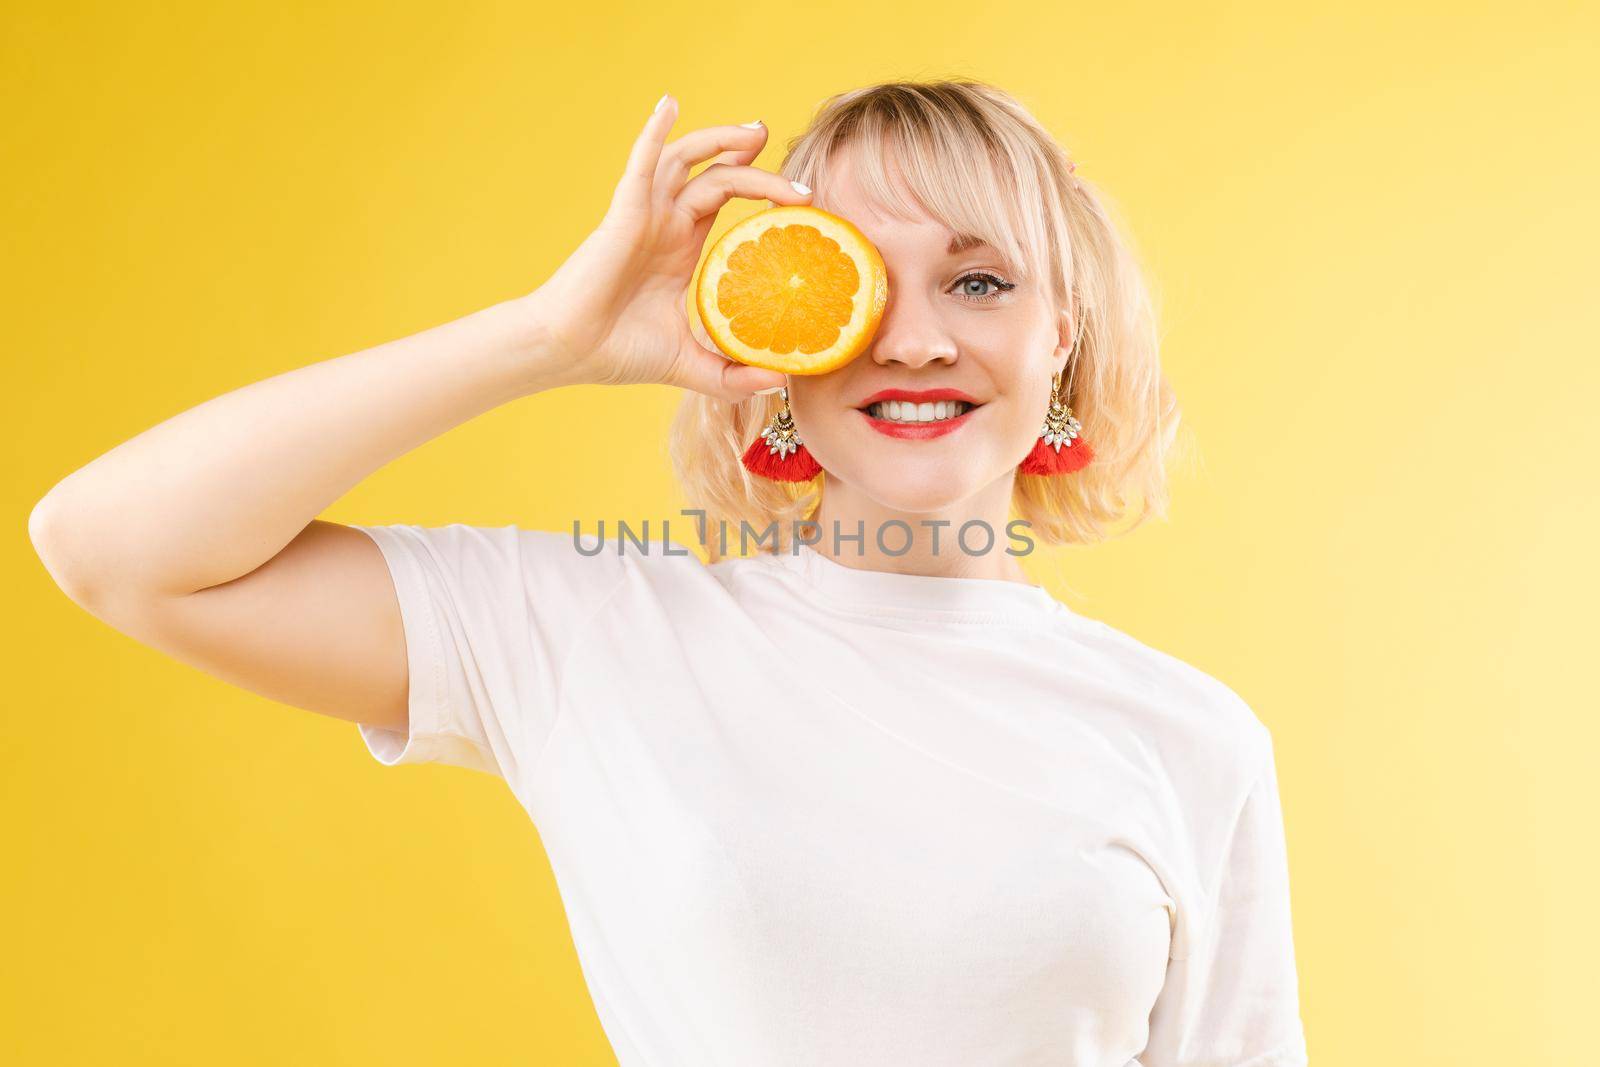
[{"x": 793, "y": 289}]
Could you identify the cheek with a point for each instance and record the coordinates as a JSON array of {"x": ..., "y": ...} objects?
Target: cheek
[
  {"x": 1018, "y": 372},
  {"x": 1017, "y": 413},
  {"x": 823, "y": 409}
]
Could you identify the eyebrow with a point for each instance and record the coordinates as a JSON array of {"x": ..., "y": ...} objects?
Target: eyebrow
[{"x": 961, "y": 242}]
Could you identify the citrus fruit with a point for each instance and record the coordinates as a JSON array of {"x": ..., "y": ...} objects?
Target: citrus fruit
[{"x": 793, "y": 289}]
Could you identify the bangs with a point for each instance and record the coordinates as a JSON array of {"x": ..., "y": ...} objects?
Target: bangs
[{"x": 909, "y": 163}]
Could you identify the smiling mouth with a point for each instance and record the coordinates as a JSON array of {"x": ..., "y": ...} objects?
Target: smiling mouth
[{"x": 908, "y": 413}]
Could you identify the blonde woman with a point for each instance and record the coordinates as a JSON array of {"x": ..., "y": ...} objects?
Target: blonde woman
[{"x": 870, "y": 798}]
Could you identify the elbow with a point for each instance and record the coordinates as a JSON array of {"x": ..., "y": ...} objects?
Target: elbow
[
  {"x": 42, "y": 526},
  {"x": 47, "y": 527}
]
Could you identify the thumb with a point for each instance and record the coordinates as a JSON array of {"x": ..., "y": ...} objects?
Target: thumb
[
  {"x": 727, "y": 379},
  {"x": 745, "y": 379}
]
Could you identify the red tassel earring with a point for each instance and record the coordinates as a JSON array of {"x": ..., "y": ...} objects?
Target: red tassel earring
[
  {"x": 779, "y": 453},
  {"x": 1060, "y": 449}
]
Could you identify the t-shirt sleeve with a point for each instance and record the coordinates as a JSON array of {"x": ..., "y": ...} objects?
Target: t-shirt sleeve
[
  {"x": 1231, "y": 999},
  {"x": 490, "y": 614}
]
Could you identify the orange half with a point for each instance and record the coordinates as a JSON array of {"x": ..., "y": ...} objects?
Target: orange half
[{"x": 793, "y": 289}]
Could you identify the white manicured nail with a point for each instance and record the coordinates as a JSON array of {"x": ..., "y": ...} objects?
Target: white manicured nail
[
  {"x": 801, "y": 189},
  {"x": 756, "y": 125},
  {"x": 663, "y": 100}
]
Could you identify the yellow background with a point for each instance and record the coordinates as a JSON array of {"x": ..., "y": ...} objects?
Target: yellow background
[{"x": 1373, "y": 232}]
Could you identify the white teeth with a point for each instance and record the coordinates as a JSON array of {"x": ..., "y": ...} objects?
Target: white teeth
[{"x": 905, "y": 411}]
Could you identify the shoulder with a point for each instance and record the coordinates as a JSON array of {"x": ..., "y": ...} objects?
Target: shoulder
[
  {"x": 578, "y": 563},
  {"x": 1199, "y": 722},
  {"x": 613, "y": 557}
]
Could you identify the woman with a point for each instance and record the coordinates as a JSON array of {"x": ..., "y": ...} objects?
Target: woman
[{"x": 872, "y": 798}]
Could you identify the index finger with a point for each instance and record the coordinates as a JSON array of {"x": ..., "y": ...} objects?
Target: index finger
[
  {"x": 721, "y": 182},
  {"x": 697, "y": 146},
  {"x": 638, "y": 176}
]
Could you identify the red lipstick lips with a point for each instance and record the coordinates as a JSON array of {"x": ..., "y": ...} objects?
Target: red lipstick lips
[
  {"x": 917, "y": 431},
  {"x": 916, "y": 396}
]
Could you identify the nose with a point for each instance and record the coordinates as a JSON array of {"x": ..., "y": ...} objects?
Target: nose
[{"x": 910, "y": 332}]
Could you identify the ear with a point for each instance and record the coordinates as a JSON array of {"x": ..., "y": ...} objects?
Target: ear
[{"x": 1065, "y": 327}]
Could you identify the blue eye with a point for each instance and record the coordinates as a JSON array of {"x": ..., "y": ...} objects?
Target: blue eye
[{"x": 1000, "y": 284}]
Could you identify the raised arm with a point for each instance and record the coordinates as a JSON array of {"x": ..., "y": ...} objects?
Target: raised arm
[
  {"x": 199, "y": 535},
  {"x": 215, "y": 492}
]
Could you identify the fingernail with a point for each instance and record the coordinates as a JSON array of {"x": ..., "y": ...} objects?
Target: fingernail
[
  {"x": 756, "y": 125},
  {"x": 663, "y": 100},
  {"x": 801, "y": 189}
]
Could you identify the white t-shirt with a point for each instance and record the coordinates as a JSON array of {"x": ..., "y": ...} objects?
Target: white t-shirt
[{"x": 804, "y": 813}]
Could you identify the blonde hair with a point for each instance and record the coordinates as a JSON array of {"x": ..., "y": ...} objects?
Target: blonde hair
[{"x": 980, "y": 163}]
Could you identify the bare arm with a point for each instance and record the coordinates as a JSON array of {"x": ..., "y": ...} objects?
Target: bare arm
[
  {"x": 214, "y": 492},
  {"x": 199, "y": 535}
]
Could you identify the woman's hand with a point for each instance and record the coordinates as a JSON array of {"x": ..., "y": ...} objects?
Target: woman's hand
[{"x": 617, "y": 308}]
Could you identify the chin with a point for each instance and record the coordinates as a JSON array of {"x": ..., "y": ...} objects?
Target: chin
[{"x": 929, "y": 489}]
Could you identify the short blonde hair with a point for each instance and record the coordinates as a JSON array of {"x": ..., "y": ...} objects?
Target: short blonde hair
[{"x": 981, "y": 164}]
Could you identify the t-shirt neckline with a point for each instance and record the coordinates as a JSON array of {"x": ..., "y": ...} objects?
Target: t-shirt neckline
[{"x": 892, "y": 592}]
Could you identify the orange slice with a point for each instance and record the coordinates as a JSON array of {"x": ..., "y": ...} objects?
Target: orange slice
[{"x": 793, "y": 289}]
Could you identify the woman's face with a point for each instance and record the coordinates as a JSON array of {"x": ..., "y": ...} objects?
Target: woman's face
[{"x": 949, "y": 331}]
